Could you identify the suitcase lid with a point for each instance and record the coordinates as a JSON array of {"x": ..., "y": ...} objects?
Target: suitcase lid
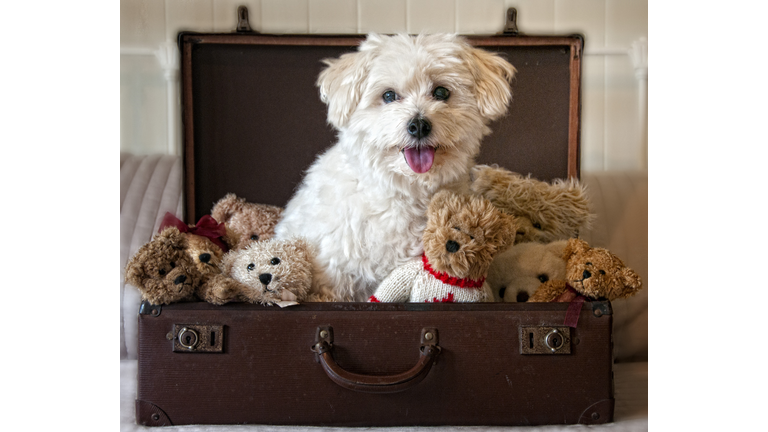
[{"x": 253, "y": 121}]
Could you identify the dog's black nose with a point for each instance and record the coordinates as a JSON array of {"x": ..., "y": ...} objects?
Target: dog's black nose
[
  {"x": 419, "y": 127},
  {"x": 180, "y": 280},
  {"x": 205, "y": 257},
  {"x": 265, "y": 278},
  {"x": 451, "y": 246},
  {"x": 586, "y": 274}
]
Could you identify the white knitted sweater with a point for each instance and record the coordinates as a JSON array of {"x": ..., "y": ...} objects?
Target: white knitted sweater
[{"x": 416, "y": 282}]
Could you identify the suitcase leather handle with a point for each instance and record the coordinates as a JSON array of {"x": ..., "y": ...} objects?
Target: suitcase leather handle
[{"x": 428, "y": 353}]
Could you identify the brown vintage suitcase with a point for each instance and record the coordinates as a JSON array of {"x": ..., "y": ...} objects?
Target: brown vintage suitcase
[{"x": 253, "y": 123}]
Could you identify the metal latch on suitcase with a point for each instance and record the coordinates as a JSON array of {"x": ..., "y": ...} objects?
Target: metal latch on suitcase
[
  {"x": 545, "y": 340},
  {"x": 197, "y": 338}
]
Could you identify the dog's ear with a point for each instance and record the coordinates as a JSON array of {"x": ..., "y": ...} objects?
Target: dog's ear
[
  {"x": 341, "y": 83},
  {"x": 493, "y": 76}
]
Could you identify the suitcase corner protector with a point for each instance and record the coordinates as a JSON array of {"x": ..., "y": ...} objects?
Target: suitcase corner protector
[{"x": 149, "y": 414}]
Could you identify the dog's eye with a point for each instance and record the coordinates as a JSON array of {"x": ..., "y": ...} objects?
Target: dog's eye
[
  {"x": 441, "y": 93},
  {"x": 275, "y": 261},
  {"x": 255, "y": 237},
  {"x": 389, "y": 96},
  {"x": 162, "y": 272},
  {"x": 602, "y": 272},
  {"x": 537, "y": 225},
  {"x": 543, "y": 278},
  {"x": 250, "y": 267}
]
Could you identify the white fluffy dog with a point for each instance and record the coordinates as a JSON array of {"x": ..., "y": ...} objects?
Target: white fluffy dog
[{"x": 411, "y": 112}]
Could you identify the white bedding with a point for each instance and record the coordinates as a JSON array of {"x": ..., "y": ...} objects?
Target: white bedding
[{"x": 630, "y": 414}]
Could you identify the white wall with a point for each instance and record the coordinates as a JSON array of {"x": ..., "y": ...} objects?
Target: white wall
[{"x": 614, "y": 126}]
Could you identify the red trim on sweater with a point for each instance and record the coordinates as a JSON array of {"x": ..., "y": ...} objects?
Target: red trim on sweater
[{"x": 450, "y": 280}]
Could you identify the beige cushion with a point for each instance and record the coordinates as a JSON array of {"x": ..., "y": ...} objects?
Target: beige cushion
[
  {"x": 149, "y": 187},
  {"x": 620, "y": 200}
]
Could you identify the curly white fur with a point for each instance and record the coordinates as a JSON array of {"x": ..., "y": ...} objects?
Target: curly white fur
[{"x": 360, "y": 202}]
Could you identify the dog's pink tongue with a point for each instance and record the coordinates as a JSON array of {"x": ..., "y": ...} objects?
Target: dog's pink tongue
[{"x": 420, "y": 158}]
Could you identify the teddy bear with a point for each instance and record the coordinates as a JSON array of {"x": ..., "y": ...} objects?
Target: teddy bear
[
  {"x": 545, "y": 212},
  {"x": 591, "y": 273},
  {"x": 515, "y": 274},
  {"x": 463, "y": 234},
  {"x": 250, "y": 221},
  {"x": 281, "y": 268},
  {"x": 164, "y": 272},
  {"x": 207, "y": 241}
]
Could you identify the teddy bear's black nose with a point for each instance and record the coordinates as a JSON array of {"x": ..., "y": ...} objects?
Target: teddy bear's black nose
[
  {"x": 451, "y": 246},
  {"x": 586, "y": 274},
  {"x": 265, "y": 278},
  {"x": 180, "y": 280},
  {"x": 205, "y": 257},
  {"x": 419, "y": 127}
]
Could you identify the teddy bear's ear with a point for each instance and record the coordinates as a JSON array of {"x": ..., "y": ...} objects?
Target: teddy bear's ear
[
  {"x": 172, "y": 237},
  {"x": 574, "y": 246},
  {"x": 493, "y": 76},
  {"x": 134, "y": 271},
  {"x": 508, "y": 230},
  {"x": 226, "y": 207},
  {"x": 441, "y": 200},
  {"x": 631, "y": 281}
]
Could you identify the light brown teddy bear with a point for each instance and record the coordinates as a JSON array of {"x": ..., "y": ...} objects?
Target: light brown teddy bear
[
  {"x": 590, "y": 274},
  {"x": 250, "y": 221},
  {"x": 463, "y": 234},
  {"x": 546, "y": 212},
  {"x": 164, "y": 272},
  {"x": 594, "y": 273},
  {"x": 516, "y": 273},
  {"x": 279, "y": 268}
]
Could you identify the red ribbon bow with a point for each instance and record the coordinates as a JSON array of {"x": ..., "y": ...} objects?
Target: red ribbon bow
[
  {"x": 574, "y": 307},
  {"x": 205, "y": 227}
]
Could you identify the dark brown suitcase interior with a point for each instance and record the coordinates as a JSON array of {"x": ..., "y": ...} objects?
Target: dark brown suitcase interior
[{"x": 254, "y": 122}]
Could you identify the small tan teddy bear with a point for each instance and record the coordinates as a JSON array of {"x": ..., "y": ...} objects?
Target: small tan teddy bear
[
  {"x": 250, "y": 221},
  {"x": 590, "y": 274},
  {"x": 279, "y": 268},
  {"x": 516, "y": 273},
  {"x": 546, "y": 212},
  {"x": 164, "y": 272},
  {"x": 462, "y": 236}
]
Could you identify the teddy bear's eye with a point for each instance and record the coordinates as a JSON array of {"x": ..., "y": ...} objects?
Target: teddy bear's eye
[
  {"x": 389, "y": 96},
  {"x": 441, "y": 93},
  {"x": 456, "y": 228},
  {"x": 251, "y": 266},
  {"x": 254, "y": 237},
  {"x": 543, "y": 278},
  {"x": 162, "y": 272},
  {"x": 173, "y": 264},
  {"x": 537, "y": 225},
  {"x": 275, "y": 261},
  {"x": 602, "y": 272},
  {"x": 588, "y": 263}
]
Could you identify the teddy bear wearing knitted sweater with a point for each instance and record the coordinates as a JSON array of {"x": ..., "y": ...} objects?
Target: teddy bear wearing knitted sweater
[{"x": 462, "y": 236}]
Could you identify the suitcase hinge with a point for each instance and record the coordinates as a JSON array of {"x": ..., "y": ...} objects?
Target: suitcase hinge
[
  {"x": 148, "y": 308},
  {"x": 510, "y": 28},
  {"x": 243, "y": 26}
]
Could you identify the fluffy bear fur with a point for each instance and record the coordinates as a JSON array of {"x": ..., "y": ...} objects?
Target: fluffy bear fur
[
  {"x": 363, "y": 202},
  {"x": 249, "y": 221},
  {"x": 546, "y": 212},
  {"x": 516, "y": 273},
  {"x": 462, "y": 236},
  {"x": 595, "y": 273},
  {"x": 164, "y": 272},
  {"x": 279, "y": 268}
]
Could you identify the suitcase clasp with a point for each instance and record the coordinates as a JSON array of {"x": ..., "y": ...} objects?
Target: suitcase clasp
[
  {"x": 545, "y": 340},
  {"x": 197, "y": 338}
]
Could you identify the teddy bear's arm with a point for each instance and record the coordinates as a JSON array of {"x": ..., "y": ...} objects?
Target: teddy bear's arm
[
  {"x": 220, "y": 289},
  {"x": 396, "y": 288},
  {"x": 548, "y": 291}
]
